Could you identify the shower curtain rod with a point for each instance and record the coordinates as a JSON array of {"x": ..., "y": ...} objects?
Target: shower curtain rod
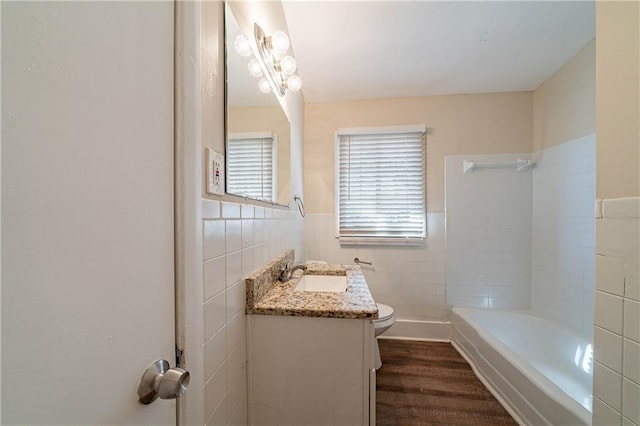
[{"x": 520, "y": 165}]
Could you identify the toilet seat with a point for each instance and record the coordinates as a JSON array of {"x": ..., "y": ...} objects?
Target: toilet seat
[
  {"x": 386, "y": 318},
  {"x": 384, "y": 312}
]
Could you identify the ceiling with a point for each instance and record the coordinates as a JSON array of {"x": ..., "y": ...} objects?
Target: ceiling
[{"x": 378, "y": 49}]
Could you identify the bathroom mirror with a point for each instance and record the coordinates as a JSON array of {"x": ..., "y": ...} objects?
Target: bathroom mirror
[{"x": 257, "y": 130}]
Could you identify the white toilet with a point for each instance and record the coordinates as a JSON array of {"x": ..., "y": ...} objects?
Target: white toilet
[{"x": 386, "y": 318}]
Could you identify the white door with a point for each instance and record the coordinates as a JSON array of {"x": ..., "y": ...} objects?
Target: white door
[{"x": 87, "y": 210}]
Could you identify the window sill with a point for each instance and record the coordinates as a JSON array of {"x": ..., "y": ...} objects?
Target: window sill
[{"x": 373, "y": 241}]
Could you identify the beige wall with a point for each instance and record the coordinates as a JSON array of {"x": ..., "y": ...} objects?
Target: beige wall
[
  {"x": 564, "y": 105},
  {"x": 458, "y": 124},
  {"x": 267, "y": 119},
  {"x": 618, "y": 94}
]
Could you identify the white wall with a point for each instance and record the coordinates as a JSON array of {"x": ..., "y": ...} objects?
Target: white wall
[
  {"x": 410, "y": 279},
  {"x": 87, "y": 211},
  {"x": 488, "y": 233},
  {"x": 564, "y": 191}
]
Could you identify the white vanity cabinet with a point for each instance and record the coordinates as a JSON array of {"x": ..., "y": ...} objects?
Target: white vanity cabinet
[
  {"x": 310, "y": 351},
  {"x": 310, "y": 370}
]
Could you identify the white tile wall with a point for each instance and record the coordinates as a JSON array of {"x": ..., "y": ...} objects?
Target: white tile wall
[
  {"x": 604, "y": 414},
  {"x": 608, "y": 385},
  {"x": 410, "y": 279},
  {"x": 563, "y": 253},
  {"x": 603, "y": 338},
  {"x": 237, "y": 239},
  {"x": 617, "y": 314},
  {"x": 526, "y": 240},
  {"x": 520, "y": 240},
  {"x": 608, "y": 312},
  {"x": 631, "y": 356},
  {"x": 488, "y": 233},
  {"x": 630, "y": 401}
]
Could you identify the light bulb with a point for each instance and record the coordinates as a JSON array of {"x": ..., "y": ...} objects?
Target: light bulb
[
  {"x": 264, "y": 85},
  {"x": 294, "y": 83},
  {"x": 242, "y": 45},
  {"x": 279, "y": 42},
  {"x": 288, "y": 65},
  {"x": 254, "y": 68}
]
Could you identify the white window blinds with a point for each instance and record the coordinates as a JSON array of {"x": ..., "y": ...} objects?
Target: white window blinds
[
  {"x": 251, "y": 166},
  {"x": 381, "y": 186}
]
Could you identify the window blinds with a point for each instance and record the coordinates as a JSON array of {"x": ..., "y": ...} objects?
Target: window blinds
[
  {"x": 381, "y": 181},
  {"x": 250, "y": 167}
]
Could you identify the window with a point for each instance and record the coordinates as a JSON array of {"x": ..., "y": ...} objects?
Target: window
[
  {"x": 380, "y": 185},
  {"x": 251, "y": 167}
]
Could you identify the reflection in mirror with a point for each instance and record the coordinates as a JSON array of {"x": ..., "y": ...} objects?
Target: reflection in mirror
[{"x": 258, "y": 132}]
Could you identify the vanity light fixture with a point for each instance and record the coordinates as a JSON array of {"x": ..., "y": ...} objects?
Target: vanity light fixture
[
  {"x": 242, "y": 46},
  {"x": 287, "y": 65},
  {"x": 278, "y": 69},
  {"x": 254, "y": 68},
  {"x": 278, "y": 42},
  {"x": 264, "y": 85},
  {"x": 275, "y": 70},
  {"x": 293, "y": 83}
]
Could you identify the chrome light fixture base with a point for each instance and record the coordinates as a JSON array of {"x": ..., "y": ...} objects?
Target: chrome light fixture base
[{"x": 267, "y": 60}]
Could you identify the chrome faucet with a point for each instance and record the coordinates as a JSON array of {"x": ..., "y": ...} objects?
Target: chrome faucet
[{"x": 287, "y": 272}]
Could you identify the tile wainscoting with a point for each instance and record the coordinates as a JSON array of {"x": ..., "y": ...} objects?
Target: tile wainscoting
[
  {"x": 237, "y": 239},
  {"x": 616, "y": 382},
  {"x": 411, "y": 279}
]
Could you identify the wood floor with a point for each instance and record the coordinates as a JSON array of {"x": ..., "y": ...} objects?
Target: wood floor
[{"x": 428, "y": 383}]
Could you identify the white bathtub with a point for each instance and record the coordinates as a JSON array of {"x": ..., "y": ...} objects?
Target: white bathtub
[{"x": 541, "y": 373}]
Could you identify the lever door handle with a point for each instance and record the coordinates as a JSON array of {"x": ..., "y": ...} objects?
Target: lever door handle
[{"x": 160, "y": 381}]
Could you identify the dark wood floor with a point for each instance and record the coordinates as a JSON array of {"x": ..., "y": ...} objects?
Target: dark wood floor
[{"x": 428, "y": 383}]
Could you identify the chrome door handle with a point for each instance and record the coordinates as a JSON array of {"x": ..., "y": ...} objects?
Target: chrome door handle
[{"x": 160, "y": 381}]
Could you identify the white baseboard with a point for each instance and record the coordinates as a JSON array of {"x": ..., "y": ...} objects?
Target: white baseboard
[{"x": 434, "y": 331}]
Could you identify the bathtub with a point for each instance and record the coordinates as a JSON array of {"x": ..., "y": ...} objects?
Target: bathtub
[{"x": 541, "y": 373}]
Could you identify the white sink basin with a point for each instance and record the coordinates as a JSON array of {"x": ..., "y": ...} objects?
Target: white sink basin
[{"x": 331, "y": 283}]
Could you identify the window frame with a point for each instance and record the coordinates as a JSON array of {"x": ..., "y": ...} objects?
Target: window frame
[
  {"x": 274, "y": 159},
  {"x": 379, "y": 240}
]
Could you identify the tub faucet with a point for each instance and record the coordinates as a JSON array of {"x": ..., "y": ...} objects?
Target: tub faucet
[{"x": 287, "y": 272}]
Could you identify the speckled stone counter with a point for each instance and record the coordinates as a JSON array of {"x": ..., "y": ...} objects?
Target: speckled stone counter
[{"x": 268, "y": 296}]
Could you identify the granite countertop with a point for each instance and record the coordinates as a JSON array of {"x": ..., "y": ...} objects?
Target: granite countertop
[{"x": 281, "y": 298}]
